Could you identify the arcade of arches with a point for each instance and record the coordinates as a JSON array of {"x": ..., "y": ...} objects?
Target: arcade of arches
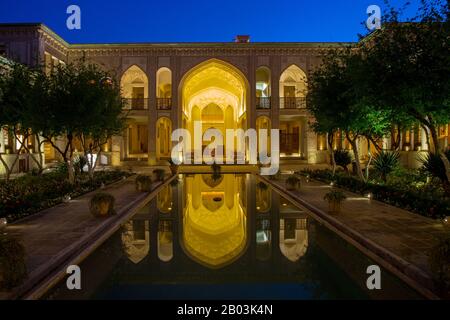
[{"x": 219, "y": 95}]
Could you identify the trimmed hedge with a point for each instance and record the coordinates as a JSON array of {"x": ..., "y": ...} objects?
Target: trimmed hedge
[
  {"x": 30, "y": 194},
  {"x": 416, "y": 200}
]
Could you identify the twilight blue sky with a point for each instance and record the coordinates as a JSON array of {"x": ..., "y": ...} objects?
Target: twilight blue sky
[{"x": 113, "y": 21}]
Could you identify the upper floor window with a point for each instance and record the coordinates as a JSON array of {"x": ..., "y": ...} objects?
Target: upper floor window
[
  {"x": 263, "y": 88},
  {"x": 164, "y": 88}
]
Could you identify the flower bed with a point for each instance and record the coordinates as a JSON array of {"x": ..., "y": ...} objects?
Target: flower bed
[
  {"x": 426, "y": 200},
  {"x": 29, "y": 194}
]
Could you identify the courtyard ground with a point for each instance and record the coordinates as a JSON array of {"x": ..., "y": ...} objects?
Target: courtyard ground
[{"x": 400, "y": 238}]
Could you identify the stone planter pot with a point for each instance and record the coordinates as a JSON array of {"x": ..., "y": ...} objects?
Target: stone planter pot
[
  {"x": 292, "y": 186},
  {"x": 102, "y": 205},
  {"x": 334, "y": 207}
]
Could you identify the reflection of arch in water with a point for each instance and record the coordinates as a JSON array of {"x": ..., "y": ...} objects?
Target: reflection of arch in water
[
  {"x": 164, "y": 199},
  {"x": 263, "y": 197},
  {"x": 293, "y": 238},
  {"x": 165, "y": 240},
  {"x": 213, "y": 236},
  {"x": 136, "y": 240},
  {"x": 263, "y": 240}
]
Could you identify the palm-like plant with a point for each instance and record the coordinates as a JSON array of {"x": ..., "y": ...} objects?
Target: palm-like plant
[
  {"x": 433, "y": 164},
  {"x": 386, "y": 162},
  {"x": 342, "y": 158}
]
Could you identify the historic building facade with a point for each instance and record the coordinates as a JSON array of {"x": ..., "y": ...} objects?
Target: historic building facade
[{"x": 224, "y": 85}]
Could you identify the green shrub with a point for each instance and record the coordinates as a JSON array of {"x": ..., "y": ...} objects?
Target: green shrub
[
  {"x": 342, "y": 158},
  {"x": 143, "y": 183},
  {"x": 102, "y": 204},
  {"x": 13, "y": 269},
  {"x": 159, "y": 174},
  {"x": 334, "y": 196},
  {"x": 386, "y": 162},
  {"x": 29, "y": 194},
  {"x": 292, "y": 183},
  {"x": 427, "y": 202}
]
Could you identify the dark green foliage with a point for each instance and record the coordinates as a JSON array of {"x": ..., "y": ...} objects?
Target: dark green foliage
[
  {"x": 12, "y": 262},
  {"x": 102, "y": 204},
  {"x": 335, "y": 195},
  {"x": 159, "y": 174},
  {"x": 433, "y": 164},
  {"x": 342, "y": 158},
  {"x": 417, "y": 197},
  {"x": 29, "y": 194},
  {"x": 143, "y": 183},
  {"x": 386, "y": 162}
]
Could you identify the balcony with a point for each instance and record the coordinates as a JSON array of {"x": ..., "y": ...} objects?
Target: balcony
[
  {"x": 262, "y": 102},
  {"x": 163, "y": 103},
  {"x": 136, "y": 103},
  {"x": 293, "y": 103}
]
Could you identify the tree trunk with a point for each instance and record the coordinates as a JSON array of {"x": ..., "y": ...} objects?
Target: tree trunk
[
  {"x": 330, "y": 147},
  {"x": 356, "y": 153},
  {"x": 438, "y": 151},
  {"x": 370, "y": 159}
]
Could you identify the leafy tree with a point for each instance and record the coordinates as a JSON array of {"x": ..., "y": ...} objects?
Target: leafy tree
[
  {"x": 16, "y": 100},
  {"x": 81, "y": 101},
  {"x": 336, "y": 101},
  {"x": 407, "y": 67}
]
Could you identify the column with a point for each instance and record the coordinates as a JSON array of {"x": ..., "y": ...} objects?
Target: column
[{"x": 152, "y": 112}]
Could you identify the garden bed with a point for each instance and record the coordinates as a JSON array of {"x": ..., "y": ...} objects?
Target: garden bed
[
  {"x": 417, "y": 196},
  {"x": 30, "y": 194}
]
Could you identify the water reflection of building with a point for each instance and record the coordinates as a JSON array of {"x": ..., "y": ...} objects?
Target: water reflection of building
[
  {"x": 215, "y": 222},
  {"x": 136, "y": 239}
]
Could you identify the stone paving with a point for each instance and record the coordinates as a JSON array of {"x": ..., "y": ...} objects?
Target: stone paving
[
  {"x": 406, "y": 235},
  {"x": 51, "y": 233}
]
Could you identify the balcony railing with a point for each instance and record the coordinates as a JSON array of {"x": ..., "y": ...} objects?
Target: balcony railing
[
  {"x": 136, "y": 103},
  {"x": 163, "y": 103},
  {"x": 292, "y": 103},
  {"x": 262, "y": 102}
]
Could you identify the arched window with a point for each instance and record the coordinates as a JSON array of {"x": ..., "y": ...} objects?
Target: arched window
[
  {"x": 293, "y": 88},
  {"x": 263, "y": 88},
  {"x": 134, "y": 84},
  {"x": 164, "y": 89}
]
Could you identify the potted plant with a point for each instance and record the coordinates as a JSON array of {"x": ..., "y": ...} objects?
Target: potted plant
[
  {"x": 13, "y": 269},
  {"x": 292, "y": 183},
  {"x": 143, "y": 183},
  {"x": 102, "y": 205},
  {"x": 334, "y": 198},
  {"x": 158, "y": 175},
  {"x": 173, "y": 167}
]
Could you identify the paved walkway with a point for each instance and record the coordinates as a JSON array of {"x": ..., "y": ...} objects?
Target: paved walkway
[
  {"x": 52, "y": 235},
  {"x": 405, "y": 237}
]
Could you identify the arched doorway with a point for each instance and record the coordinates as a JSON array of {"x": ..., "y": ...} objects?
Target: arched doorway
[
  {"x": 163, "y": 138},
  {"x": 215, "y": 93}
]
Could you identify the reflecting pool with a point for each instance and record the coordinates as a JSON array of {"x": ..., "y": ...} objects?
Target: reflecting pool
[{"x": 226, "y": 237}]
